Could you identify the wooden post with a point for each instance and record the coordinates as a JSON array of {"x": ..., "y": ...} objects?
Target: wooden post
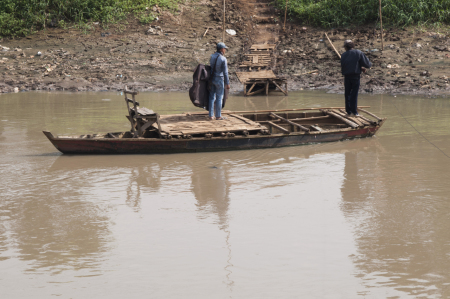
[
  {"x": 223, "y": 31},
  {"x": 381, "y": 25},
  {"x": 285, "y": 15}
]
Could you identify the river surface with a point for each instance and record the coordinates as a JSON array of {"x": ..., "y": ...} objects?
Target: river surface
[{"x": 367, "y": 218}]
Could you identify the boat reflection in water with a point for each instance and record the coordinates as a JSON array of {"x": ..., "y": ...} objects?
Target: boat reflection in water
[
  {"x": 393, "y": 235},
  {"x": 209, "y": 184}
]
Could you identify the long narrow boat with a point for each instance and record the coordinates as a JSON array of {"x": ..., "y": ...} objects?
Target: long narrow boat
[{"x": 152, "y": 133}]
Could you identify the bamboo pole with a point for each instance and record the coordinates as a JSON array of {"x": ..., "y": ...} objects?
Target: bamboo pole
[
  {"x": 205, "y": 32},
  {"x": 223, "y": 31},
  {"x": 333, "y": 46},
  {"x": 381, "y": 25},
  {"x": 369, "y": 113},
  {"x": 285, "y": 15},
  {"x": 348, "y": 122}
]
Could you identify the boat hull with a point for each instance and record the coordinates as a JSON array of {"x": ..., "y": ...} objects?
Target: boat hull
[{"x": 165, "y": 146}]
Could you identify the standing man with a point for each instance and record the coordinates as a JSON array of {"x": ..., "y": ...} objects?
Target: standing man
[
  {"x": 353, "y": 62},
  {"x": 220, "y": 80}
]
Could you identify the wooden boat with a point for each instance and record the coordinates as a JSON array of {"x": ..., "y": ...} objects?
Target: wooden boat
[{"x": 152, "y": 133}]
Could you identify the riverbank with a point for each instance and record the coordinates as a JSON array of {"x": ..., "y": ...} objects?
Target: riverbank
[{"x": 162, "y": 55}]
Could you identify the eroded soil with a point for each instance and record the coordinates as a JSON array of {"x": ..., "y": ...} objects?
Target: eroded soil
[{"x": 162, "y": 55}]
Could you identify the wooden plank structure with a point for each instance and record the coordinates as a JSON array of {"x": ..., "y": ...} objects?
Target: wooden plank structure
[
  {"x": 262, "y": 80},
  {"x": 320, "y": 122},
  {"x": 257, "y": 60},
  {"x": 261, "y": 55},
  {"x": 147, "y": 123},
  {"x": 189, "y": 125},
  {"x": 286, "y": 121}
]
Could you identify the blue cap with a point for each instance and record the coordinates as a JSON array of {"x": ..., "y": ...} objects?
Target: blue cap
[{"x": 221, "y": 46}]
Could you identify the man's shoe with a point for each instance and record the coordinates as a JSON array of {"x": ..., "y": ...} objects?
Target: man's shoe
[{"x": 356, "y": 114}]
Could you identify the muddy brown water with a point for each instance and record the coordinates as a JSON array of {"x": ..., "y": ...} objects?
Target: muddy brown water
[{"x": 365, "y": 218}]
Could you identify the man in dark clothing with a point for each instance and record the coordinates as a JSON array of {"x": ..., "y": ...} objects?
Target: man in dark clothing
[{"x": 353, "y": 62}]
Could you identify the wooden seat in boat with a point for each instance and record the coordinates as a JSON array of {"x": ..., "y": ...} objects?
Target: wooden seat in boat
[{"x": 141, "y": 118}]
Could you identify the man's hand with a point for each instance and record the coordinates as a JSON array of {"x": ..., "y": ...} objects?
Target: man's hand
[
  {"x": 363, "y": 69},
  {"x": 227, "y": 86}
]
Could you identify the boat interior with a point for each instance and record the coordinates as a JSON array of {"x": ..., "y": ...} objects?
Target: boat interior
[
  {"x": 197, "y": 125},
  {"x": 145, "y": 123}
]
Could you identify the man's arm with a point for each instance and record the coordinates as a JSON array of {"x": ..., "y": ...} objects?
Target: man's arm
[
  {"x": 364, "y": 61},
  {"x": 225, "y": 74}
]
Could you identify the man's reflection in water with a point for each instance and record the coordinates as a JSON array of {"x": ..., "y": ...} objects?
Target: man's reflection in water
[
  {"x": 210, "y": 186},
  {"x": 351, "y": 192},
  {"x": 211, "y": 189},
  {"x": 396, "y": 229}
]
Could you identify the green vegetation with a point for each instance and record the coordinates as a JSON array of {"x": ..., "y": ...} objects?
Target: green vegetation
[
  {"x": 23, "y": 17},
  {"x": 340, "y": 13}
]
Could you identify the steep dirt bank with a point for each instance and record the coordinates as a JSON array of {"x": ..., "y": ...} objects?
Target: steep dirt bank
[
  {"x": 162, "y": 55},
  {"x": 158, "y": 56},
  {"x": 413, "y": 62}
]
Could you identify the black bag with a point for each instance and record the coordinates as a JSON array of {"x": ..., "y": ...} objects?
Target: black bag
[{"x": 199, "y": 92}]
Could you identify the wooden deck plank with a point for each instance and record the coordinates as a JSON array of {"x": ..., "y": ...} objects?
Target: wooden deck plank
[
  {"x": 361, "y": 119},
  {"x": 348, "y": 122},
  {"x": 145, "y": 111},
  {"x": 289, "y": 122},
  {"x": 371, "y": 114},
  {"x": 278, "y": 127},
  {"x": 197, "y": 124},
  {"x": 351, "y": 118}
]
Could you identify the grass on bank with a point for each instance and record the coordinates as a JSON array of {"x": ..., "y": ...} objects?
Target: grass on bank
[
  {"x": 342, "y": 13},
  {"x": 23, "y": 17}
]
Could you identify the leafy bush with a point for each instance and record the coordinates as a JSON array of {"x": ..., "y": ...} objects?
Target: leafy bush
[
  {"x": 22, "y": 17},
  {"x": 339, "y": 13}
]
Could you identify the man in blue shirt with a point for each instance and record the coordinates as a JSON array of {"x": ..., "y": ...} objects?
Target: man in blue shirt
[
  {"x": 353, "y": 62},
  {"x": 220, "y": 81}
]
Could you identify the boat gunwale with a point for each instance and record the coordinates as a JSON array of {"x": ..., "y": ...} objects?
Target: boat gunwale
[{"x": 132, "y": 139}]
